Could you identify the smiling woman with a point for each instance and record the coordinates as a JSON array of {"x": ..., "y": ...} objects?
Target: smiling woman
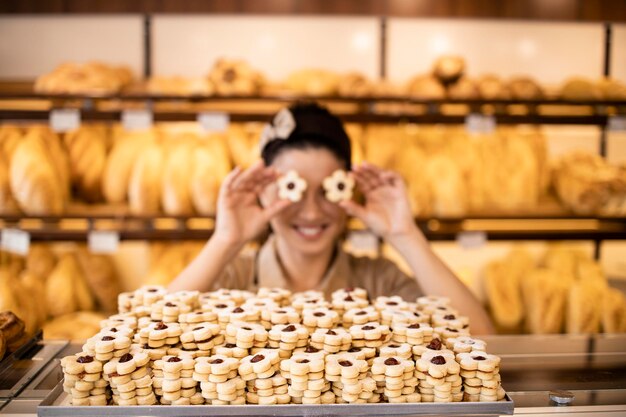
[{"x": 302, "y": 189}]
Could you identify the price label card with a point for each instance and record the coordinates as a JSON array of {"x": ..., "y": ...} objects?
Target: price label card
[
  {"x": 214, "y": 121},
  {"x": 137, "y": 119},
  {"x": 15, "y": 241},
  {"x": 103, "y": 241},
  {"x": 617, "y": 123},
  {"x": 471, "y": 240},
  {"x": 63, "y": 120},
  {"x": 479, "y": 123}
]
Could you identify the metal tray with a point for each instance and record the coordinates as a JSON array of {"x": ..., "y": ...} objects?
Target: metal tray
[
  {"x": 8, "y": 360},
  {"x": 57, "y": 404}
]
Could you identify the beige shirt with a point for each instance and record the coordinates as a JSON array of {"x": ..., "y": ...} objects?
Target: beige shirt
[{"x": 378, "y": 276}]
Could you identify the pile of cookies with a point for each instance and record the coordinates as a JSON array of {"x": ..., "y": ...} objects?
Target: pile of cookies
[{"x": 232, "y": 347}]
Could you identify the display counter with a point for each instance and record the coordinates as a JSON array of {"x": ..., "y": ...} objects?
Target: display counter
[{"x": 591, "y": 369}]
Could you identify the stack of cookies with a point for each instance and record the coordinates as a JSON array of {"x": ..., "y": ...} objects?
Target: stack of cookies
[
  {"x": 246, "y": 335},
  {"x": 108, "y": 343},
  {"x": 466, "y": 344},
  {"x": 83, "y": 380},
  {"x": 439, "y": 377},
  {"x": 279, "y": 315},
  {"x": 219, "y": 380},
  {"x": 130, "y": 379},
  {"x": 281, "y": 296},
  {"x": 200, "y": 339},
  {"x": 237, "y": 314},
  {"x": 331, "y": 340},
  {"x": 287, "y": 338},
  {"x": 159, "y": 334},
  {"x": 305, "y": 373},
  {"x": 349, "y": 379},
  {"x": 363, "y": 315},
  {"x": 395, "y": 375},
  {"x": 264, "y": 385},
  {"x": 195, "y": 318},
  {"x": 415, "y": 334},
  {"x": 319, "y": 318},
  {"x": 168, "y": 311},
  {"x": 173, "y": 380},
  {"x": 481, "y": 376},
  {"x": 371, "y": 334},
  {"x": 349, "y": 299}
]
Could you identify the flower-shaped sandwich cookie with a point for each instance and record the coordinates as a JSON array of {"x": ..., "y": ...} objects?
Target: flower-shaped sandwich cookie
[
  {"x": 288, "y": 337},
  {"x": 348, "y": 302},
  {"x": 399, "y": 350},
  {"x": 308, "y": 302},
  {"x": 442, "y": 377},
  {"x": 393, "y": 317},
  {"x": 130, "y": 380},
  {"x": 231, "y": 350},
  {"x": 415, "y": 334},
  {"x": 453, "y": 321},
  {"x": 353, "y": 292},
  {"x": 291, "y": 186},
  {"x": 396, "y": 376},
  {"x": 360, "y": 316},
  {"x": 238, "y": 297},
  {"x": 466, "y": 344},
  {"x": 279, "y": 315},
  {"x": 338, "y": 186},
  {"x": 446, "y": 333},
  {"x": 319, "y": 318},
  {"x": 246, "y": 335},
  {"x": 175, "y": 380},
  {"x": 259, "y": 366},
  {"x": 394, "y": 302},
  {"x": 196, "y": 318},
  {"x": 237, "y": 314},
  {"x": 280, "y": 295},
  {"x": 123, "y": 319},
  {"x": 331, "y": 340},
  {"x": 168, "y": 311},
  {"x": 370, "y": 335},
  {"x": 159, "y": 334},
  {"x": 203, "y": 336}
]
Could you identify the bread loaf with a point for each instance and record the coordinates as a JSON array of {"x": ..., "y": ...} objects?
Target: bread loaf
[
  {"x": 77, "y": 326},
  {"x": 235, "y": 77},
  {"x": 580, "y": 89},
  {"x": 449, "y": 68},
  {"x": 613, "y": 311},
  {"x": 313, "y": 82},
  {"x": 205, "y": 180},
  {"x": 491, "y": 87},
  {"x": 144, "y": 187},
  {"x": 8, "y": 205},
  {"x": 524, "y": 88},
  {"x": 40, "y": 260},
  {"x": 126, "y": 148},
  {"x": 54, "y": 151},
  {"x": 584, "y": 313},
  {"x": 35, "y": 184},
  {"x": 177, "y": 175},
  {"x": 86, "y": 147},
  {"x": 101, "y": 278},
  {"x": 545, "y": 297},
  {"x": 65, "y": 288},
  {"x": 463, "y": 89},
  {"x": 426, "y": 87},
  {"x": 10, "y": 137},
  {"x": 354, "y": 84}
]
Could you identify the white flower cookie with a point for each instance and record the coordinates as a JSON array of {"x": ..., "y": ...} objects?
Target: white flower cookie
[
  {"x": 331, "y": 340},
  {"x": 338, "y": 186},
  {"x": 465, "y": 344},
  {"x": 291, "y": 186},
  {"x": 360, "y": 316}
]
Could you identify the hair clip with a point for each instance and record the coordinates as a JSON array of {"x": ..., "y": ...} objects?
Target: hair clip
[
  {"x": 291, "y": 186},
  {"x": 281, "y": 127},
  {"x": 338, "y": 186}
]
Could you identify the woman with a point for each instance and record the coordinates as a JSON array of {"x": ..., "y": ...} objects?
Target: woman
[{"x": 304, "y": 251}]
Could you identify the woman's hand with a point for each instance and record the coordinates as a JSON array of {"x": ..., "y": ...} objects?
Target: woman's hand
[
  {"x": 387, "y": 211},
  {"x": 240, "y": 217}
]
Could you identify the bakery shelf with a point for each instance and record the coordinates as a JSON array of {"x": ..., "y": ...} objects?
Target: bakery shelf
[
  {"x": 56, "y": 404},
  {"x": 76, "y": 227}
]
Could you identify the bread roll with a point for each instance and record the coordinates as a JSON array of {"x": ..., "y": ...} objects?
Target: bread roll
[
  {"x": 447, "y": 187},
  {"x": 584, "y": 313},
  {"x": 235, "y": 77},
  {"x": 205, "y": 180},
  {"x": 313, "y": 82},
  {"x": 612, "y": 89},
  {"x": 35, "y": 184},
  {"x": 34, "y": 288},
  {"x": 66, "y": 289},
  {"x": 580, "y": 89},
  {"x": 426, "y": 87},
  {"x": 87, "y": 153},
  {"x": 54, "y": 151},
  {"x": 40, "y": 260},
  {"x": 491, "y": 87},
  {"x": 167, "y": 266},
  {"x": 463, "y": 89},
  {"x": 525, "y": 88},
  {"x": 10, "y": 137},
  {"x": 8, "y": 205},
  {"x": 545, "y": 297},
  {"x": 179, "y": 86},
  {"x": 177, "y": 175},
  {"x": 354, "y": 84},
  {"x": 74, "y": 326},
  {"x": 127, "y": 147},
  {"x": 144, "y": 188},
  {"x": 449, "y": 68}
]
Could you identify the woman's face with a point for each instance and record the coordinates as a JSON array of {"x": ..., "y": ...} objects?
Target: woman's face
[{"x": 312, "y": 225}]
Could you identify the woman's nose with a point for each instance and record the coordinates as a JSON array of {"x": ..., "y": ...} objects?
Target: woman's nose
[{"x": 311, "y": 208}]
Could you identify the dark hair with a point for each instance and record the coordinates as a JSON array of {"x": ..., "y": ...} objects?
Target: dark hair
[{"x": 315, "y": 127}]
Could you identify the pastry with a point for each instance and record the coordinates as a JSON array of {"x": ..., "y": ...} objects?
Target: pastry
[{"x": 449, "y": 68}]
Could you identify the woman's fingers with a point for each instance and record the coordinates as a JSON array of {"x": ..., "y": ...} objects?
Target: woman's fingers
[
  {"x": 275, "y": 208},
  {"x": 249, "y": 176},
  {"x": 354, "y": 209}
]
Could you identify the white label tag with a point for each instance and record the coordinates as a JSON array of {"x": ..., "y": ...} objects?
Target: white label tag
[
  {"x": 63, "y": 120},
  {"x": 471, "y": 240},
  {"x": 137, "y": 119},
  {"x": 617, "y": 123},
  {"x": 15, "y": 241},
  {"x": 479, "y": 123},
  {"x": 214, "y": 121},
  {"x": 103, "y": 241},
  {"x": 363, "y": 241}
]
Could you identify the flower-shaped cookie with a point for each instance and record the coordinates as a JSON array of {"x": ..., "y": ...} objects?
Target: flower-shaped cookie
[
  {"x": 289, "y": 333},
  {"x": 392, "y": 366},
  {"x": 320, "y": 317},
  {"x": 477, "y": 360},
  {"x": 246, "y": 335},
  {"x": 371, "y": 334},
  {"x": 394, "y": 302},
  {"x": 260, "y": 303},
  {"x": 338, "y": 186},
  {"x": 197, "y": 317},
  {"x": 236, "y": 314},
  {"x": 393, "y": 317},
  {"x": 190, "y": 298},
  {"x": 353, "y": 292},
  {"x": 447, "y": 332},
  {"x": 291, "y": 186},
  {"x": 231, "y": 350},
  {"x": 126, "y": 364},
  {"x": 360, "y": 316},
  {"x": 438, "y": 366},
  {"x": 280, "y": 315},
  {"x": 224, "y": 294},
  {"x": 308, "y": 302},
  {"x": 435, "y": 344},
  {"x": 302, "y": 364},
  {"x": 413, "y": 334},
  {"x": 344, "y": 366},
  {"x": 123, "y": 319},
  {"x": 400, "y": 350},
  {"x": 280, "y": 295},
  {"x": 331, "y": 340},
  {"x": 168, "y": 310},
  {"x": 159, "y": 334},
  {"x": 201, "y": 336},
  {"x": 260, "y": 365},
  {"x": 214, "y": 365},
  {"x": 464, "y": 344},
  {"x": 81, "y": 363},
  {"x": 452, "y": 321},
  {"x": 348, "y": 302}
]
